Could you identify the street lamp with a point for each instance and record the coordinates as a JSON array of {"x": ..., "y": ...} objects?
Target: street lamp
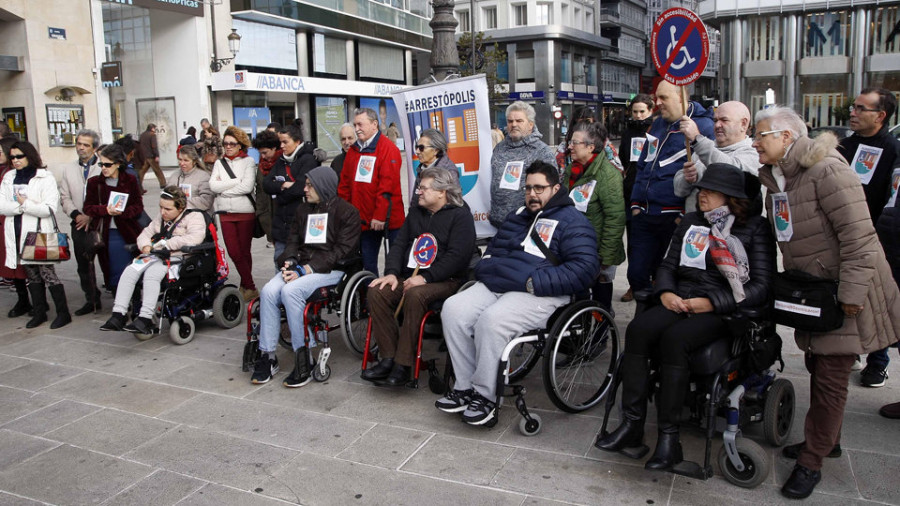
[{"x": 234, "y": 45}]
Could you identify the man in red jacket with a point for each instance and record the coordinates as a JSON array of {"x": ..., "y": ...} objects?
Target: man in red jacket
[{"x": 370, "y": 180}]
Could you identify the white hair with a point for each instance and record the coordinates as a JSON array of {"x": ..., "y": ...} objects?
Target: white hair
[
  {"x": 518, "y": 105},
  {"x": 783, "y": 118}
]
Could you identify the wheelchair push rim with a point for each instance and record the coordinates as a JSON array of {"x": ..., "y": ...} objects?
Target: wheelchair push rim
[{"x": 355, "y": 311}]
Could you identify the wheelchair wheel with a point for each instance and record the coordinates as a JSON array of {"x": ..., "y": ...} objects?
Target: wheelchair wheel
[
  {"x": 531, "y": 428},
  {"x": 522, "y": 360},
  {"x": 181, "y": 330},
  {"x": 755, "y": 460},
  {"x": 778, "y": 413},
  {"x": 228, "y": 307},
  {"x": 318, "y": 375},
  {"x": 355, "y": 311},
  {"x": 580, "y": 356},
  {"x": 251, "y": 355},
  {"x": 152, "y": 334}
]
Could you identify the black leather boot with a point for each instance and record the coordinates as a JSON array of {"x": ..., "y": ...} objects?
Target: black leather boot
[
  {"x": 635, "y": 371},
  {"x": 63, "y": 318},
  {"x": 23, "y": 306},
  {"x": 379, "y": 371},
  {"x": 400, "y": 376},
  {"x": 670, "y": 403},
  {"x": 39, "y": 301}
]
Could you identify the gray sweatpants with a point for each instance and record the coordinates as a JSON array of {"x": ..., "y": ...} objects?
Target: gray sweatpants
[
  {"x": 153, "y": 275},
  {"x": 479, "y": 323}
]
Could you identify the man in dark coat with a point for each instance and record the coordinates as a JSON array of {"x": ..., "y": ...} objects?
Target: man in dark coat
[{"x": 148, "y": 156}]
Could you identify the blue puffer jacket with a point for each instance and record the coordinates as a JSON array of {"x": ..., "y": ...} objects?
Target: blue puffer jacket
[
  {"x": 506, "y": 266},
  {"x": 654, "y": 188}
]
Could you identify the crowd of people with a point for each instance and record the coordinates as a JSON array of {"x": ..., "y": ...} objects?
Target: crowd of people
[{"x": 563, "y": 218}]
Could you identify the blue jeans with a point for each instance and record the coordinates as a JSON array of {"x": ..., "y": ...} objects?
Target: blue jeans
[
  {"x": 648, "y": 242},
  {"x": 370, "y": 244},
  {"x": 879, "y": 359},
  {"x": 279, "y": 249},
  {"x": 293, "y": 296},
  {"x": 119, "y": 259}
]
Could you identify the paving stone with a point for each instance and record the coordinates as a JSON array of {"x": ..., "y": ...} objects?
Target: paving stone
[
  {"x": 540, "y": 501},
  {"x": 206, "y": 347},
  {"x": 867, "y": 432},
  {"x": 123, "y": 393},
  {"x": 130, "y": 362},
  {"x": 224, "y": 379},
  {"x": 35, "y": 375},
  {"x": 323, "y": 481},
  {"x": 11, "y": 500},
  {"x": 159, "y": 489},
  {"x": 837, "y": 475},
  {"x": 68, "y": 475},
  {"x": 51, "y": 417},
  {"x": 18, "y": 447},
  {"x": 384, "y": 446},
  {"x": 718, "y": 491},
  {"x": 319, "y": 397},
  {"x": 459, "y": 459},
  {"x": 9, "y": 363},
  {"x": 89, "y": 330},
  {"x": 217, "y": 495},
  {"x": 121, "y": 431},
  {"x": 15, "y": 403},
  {"x": 24, "y": 343},
  {"x": 876, "y": 475},
  {"x": 560, "y": 432},
  {"x": 213, "y": 457}
]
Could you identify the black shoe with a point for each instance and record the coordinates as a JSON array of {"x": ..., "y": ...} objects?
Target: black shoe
[
  {"x": 115, "y": 323},
  {"x": 668, "y": 451},
  {"x": 801, "y": 483},
  {"x": 400, "y": 376},
  {"x": 379, "y": 371},
  {"x": 873, "y": 377},
  {"x": 140, "y": 325},
  {"x": 629, "y": 434},
  {"x": 264, "y": 369},
  {"x": 793, "y": 451},
  {"x": 39, "y": 302},
  {"x": 300, "y": 375},
  {"x": 63, "y": 318},
  {"x": 23, "y": 306},
  {"x": 87, "y": 308},
  {"x": 456, "y": 401}
]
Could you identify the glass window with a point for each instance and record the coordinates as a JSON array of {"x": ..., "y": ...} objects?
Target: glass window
[
  {"x": 589, "y": 21},
  {"x": 520, "y": 15},
  {"x": 464, "y": 22},
  {"x": 617, "y": 78},
  {"x": 886, "y": 30},
  {"x": 329, "y": 55},
  {"x": 525, "y": 66},
  {"x": 764, "y": 38},
  {"x": 381, "y": 62},
  {"x": 579, "y": 69},
  {"x": 489, "y": 18},
  {"x": 592, "y": 72},
  {"x": 565, "y": 68},
  {"x": 544, "y": 16},
  {"x": 826, "y": 34}
]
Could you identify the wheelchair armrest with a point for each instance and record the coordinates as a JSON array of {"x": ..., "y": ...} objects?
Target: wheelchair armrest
[
  {"x": 132, "y": 248},
  {"x": 645, "y": 296},
  {"x": 205, "y": 246},
  {"x": 351, "y": 261}
]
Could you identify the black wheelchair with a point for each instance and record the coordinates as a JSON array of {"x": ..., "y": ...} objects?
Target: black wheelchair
[{"x": 732, "y": 385}]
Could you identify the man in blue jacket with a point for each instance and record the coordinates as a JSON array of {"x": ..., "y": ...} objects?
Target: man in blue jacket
[
  {"x": 519, "y": 286},
  {"x": 655, "y": 208}
]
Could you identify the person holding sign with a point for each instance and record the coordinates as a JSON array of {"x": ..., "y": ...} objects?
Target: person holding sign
[
  {"x": 325, "y": 230},
  {"x": 544, "y": 252},
  {"x": 721, "y": 259},
  {"x": 117, "y": 228},
  {"x": 428, "y": 261},
  {"x": 193, "y": 179},
  {"x": 596, "y": 188},
  {"x": 821, "y": 221}
]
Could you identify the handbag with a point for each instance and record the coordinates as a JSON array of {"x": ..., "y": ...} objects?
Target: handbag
[
  {"x": 93, "y": 242},
  {"x": 258, "y": 230},
  {"x": 806, "y": 302},
  {"x": 46, "y": 246}
]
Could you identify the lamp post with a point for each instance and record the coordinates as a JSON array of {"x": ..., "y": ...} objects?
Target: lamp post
[{"x": 234, "y": 45}]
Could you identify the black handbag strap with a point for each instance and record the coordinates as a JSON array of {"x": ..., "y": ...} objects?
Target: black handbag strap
[
  {"x": 232, "y": 176},
  {"x": 52, "y": 218},
  {"x": 549, "y": 255}
]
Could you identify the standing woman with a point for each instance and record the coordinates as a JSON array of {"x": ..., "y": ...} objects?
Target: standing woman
[
  {"x": 824, "y": 229},
  {"x": 233, "y": 181},
  {"x": 431, "y": 148},
  {"x": 17, "y": 275},
  {"x": 27, "y": 195},
  {"x": 117, "y": 228},
  {"x": 269, "y": 147},
  {"x": 192, "y": 179}
]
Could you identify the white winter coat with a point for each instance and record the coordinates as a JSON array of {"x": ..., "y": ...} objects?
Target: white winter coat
[
  {"x": 231, "y": 194},
  {"x": 43, "y": 199}
]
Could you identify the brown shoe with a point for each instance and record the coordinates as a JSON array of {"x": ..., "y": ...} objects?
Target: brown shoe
[
  {"x": 249, "y": 294},
  {"x": 890, "y": 411},
  {"x": 628, "y": 297}
]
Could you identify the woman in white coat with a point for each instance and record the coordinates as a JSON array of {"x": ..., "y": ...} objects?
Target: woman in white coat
[{"x": 28, "y": 198}]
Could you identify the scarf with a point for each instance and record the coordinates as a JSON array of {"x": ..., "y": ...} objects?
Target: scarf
[
  {"x": 727, "y": 251},
  {"x": 241, "y": 154},
  {"x": 578, "y": 170},
  {"x": 613, "y": 156},
  {"x": 290, "y": 158},
  {"x": 266, "y": 165}
]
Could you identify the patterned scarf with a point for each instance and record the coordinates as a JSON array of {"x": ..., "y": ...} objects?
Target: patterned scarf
[{"x": 727, "y": 251}]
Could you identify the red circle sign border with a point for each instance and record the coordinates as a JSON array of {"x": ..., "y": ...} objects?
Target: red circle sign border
[
  {"x": 415, "y": 249},
  {"x": 693, "y": 20}
]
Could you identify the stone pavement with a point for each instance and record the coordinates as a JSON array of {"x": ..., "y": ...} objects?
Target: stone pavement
[{"x": 89, "y": 417}]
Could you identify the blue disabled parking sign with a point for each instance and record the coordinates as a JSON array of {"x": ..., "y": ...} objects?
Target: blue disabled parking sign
[{"x": 679, "y": 46}]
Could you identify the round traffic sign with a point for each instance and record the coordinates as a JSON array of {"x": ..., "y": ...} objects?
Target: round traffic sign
[
  {"x": 679, "y": 46},
  {"x": 425, "y": 250}
]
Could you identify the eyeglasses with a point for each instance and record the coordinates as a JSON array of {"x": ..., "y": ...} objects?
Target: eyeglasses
[
  {"x": 423, "y": 189},
  {"x": 760, "y": 135},
  {"x": 422, "y": 147},
  {"x": 230, "y": 144},
  {"x": 536, "y": 188},
  {"x": 578, "y": 143},
  {"x": 861, "y": 108},
  {"x": 106, "y": 164},
  {"x": 18, "y": 157}
]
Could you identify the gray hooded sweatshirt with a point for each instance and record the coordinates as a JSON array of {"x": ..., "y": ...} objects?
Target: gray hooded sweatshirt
[
  {"x": 528, "y": 150},
  {"x": 741, "y": 154}
]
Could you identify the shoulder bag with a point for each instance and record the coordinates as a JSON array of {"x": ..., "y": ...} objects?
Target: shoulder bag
[
  {"x": 258, "y": 230},
  {"x": 45, "y": 246},
  {"x": 806, "y": 302}
]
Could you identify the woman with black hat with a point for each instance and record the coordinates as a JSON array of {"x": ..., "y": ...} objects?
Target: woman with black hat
[{"x": 721, "y": 259}]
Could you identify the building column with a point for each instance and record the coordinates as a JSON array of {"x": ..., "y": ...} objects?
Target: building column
[
  {"x": 860, "y": 33},
  {"x": 351, "y": 60},
  {"x": 737, "y": 61},
  {"x": 791, "y": 56},
  {"x": 104, "y": 113}
]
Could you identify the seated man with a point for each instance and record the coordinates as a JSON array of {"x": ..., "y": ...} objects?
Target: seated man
[
  {"x": 442, "y": 213},
  {"x": 520, "y": 284},
  {"x": 309, "y": 261}
]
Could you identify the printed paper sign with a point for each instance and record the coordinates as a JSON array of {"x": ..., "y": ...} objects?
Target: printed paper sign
[
  {"x": 895, "y": 184},
  {"x": 174, "y": 270},
  {"x": 652, "y": 147},
  {"x": 781, "y": 211},
  {"x": 512, "y": 174},
  {"x": 186, "y": 189},
  {"x": 545, "y": 228},
  {"x": 864, "y": 162},
  {"x": 316, "y": 228},
  {"x": 673, "y": 158},
  {"x": 581, "y": 195},
  {"x": 20, "y": 190},
  {"x": 140, "y": 263},
  {"x": 637, "y": 145},
  {"x": 694, "y": 246},
  {"x": 117, "y": 201},
  {"x": 365, "y": 168}
]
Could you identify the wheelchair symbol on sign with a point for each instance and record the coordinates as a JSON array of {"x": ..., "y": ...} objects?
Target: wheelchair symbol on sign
[{"x": 686, "y": 58}]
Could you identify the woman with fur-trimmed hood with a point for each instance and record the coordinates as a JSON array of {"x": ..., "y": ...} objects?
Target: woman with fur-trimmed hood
[{"x": 824, "y": 229}]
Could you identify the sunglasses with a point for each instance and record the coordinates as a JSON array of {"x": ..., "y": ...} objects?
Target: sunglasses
[
  {"x": 18, "y": 157},
  {"x": 230, "y": 144},
  {"x": 422, "y": 147},
  {"x": 106, "y": 165}
]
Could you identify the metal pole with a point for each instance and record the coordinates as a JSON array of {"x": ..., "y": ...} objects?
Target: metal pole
[{"x": 472, "y": 31}]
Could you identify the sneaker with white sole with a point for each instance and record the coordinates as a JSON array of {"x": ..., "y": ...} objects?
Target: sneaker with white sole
[
  {"x": 264, "y": 370},
  {"x": 455, "y": 401},
  {"x": 479, "y": 411},
  {"x": 873, "y": 377},
  {"x": 858, "y": 365}
]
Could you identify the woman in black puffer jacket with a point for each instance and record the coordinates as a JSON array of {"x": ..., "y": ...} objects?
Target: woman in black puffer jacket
[{"x": 720, "y": 259}]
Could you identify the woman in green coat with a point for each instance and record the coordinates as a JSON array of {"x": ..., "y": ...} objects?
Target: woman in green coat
[{"x": 596, "y": 189}]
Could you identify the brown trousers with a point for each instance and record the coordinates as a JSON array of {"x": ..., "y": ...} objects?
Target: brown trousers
[
  {"x": 398, "y": 342},
  {"x": 829, "y": 377},
  {"x": 151, "y": 163}
]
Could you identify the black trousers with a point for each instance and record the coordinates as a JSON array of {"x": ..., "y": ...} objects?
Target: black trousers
[
  {"x": 86, "y": 274},
  {"x": 674, "y": 335}
]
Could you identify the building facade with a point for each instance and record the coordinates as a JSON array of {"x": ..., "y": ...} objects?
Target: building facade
[
  {"x": 815, "y": 56},
  {"x": 624, "y": 23}
]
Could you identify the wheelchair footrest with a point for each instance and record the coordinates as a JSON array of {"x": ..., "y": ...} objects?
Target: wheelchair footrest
[
  {"x": 635, "y": 452},
  {"x": 692, "y": 470}
]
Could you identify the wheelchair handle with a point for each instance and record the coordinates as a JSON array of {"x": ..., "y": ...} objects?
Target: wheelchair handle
[{"x": 199, "y": 247}]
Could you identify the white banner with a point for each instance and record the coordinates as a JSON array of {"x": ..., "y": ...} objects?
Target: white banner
[{"x": 458, "y": 108}]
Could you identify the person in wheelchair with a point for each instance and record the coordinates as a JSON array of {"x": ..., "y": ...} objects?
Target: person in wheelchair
[
  {"x": 442, "y": 213},
  {"x": 721, "y": 258},
  {"x": 173, "y": 229},
  {"x": 542, "y": 254},
  {"x": 325, "y": 230}
]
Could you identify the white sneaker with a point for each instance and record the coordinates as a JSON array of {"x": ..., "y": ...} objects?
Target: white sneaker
[{"x": 858, "y": 365}]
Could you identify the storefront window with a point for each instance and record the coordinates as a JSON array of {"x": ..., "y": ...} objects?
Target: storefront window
[
  {"x": 126, "y": 31},
  {"x": 331, "y": 113},
  {"x": 886, "y": 30},
  {"x": 826, "y": 34},
  {"x": 764, "y": 38}
]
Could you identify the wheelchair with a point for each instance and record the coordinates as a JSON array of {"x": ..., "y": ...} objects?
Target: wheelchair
[
  {"x": 731, "y": 386},
  {"x": 199, "y": 291},
  {"x": 346, "y": 298}
]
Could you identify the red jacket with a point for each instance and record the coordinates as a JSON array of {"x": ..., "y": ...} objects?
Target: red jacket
[{"x": 369, "y": 198}]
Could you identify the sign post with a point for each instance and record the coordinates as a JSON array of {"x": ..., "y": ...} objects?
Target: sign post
[{"x": 424, "y": 251}]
